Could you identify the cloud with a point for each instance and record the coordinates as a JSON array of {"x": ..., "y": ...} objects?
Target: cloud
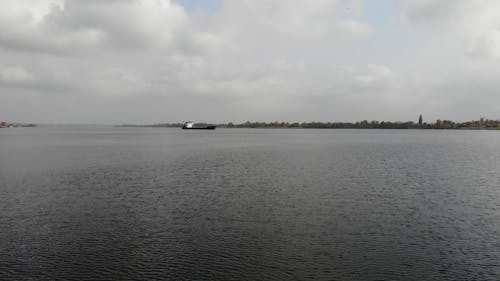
[
  {"x": 433, "y": 12},
  {"x": 370, "y": 74},
  {"x": 453, "y": 13},
  {"x": 352, "y": 29},
  {"x": 293, "y": 19},
  {"x": 486, "y": 45},
  {"x": 16, "y": 75},
  {"x": 474, "y": 23},
  {"x": 154, "y": 61},
  {"x": 88, "y": 26}
]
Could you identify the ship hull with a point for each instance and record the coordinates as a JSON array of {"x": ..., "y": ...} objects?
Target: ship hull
[{"x": 199, "y": 128}]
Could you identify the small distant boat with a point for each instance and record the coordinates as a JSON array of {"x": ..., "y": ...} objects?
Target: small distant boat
[{"x": 192, "y": 126}]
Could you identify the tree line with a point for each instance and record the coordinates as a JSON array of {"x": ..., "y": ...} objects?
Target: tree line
[{"x": 364, "y": 124}]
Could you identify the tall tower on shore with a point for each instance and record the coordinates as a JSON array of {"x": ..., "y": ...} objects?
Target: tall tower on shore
[{"x": 420, "y": 121}]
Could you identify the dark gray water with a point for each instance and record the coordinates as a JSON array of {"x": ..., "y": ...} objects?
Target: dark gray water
[{"x": 94, "y": 203}]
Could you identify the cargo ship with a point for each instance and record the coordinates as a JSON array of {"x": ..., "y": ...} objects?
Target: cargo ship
[{"x": 192, "y": 126}]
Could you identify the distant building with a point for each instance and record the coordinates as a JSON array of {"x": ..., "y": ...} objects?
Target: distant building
[
  {"x": 4, "y": 124},
  {"x": 420, "y": 121}
]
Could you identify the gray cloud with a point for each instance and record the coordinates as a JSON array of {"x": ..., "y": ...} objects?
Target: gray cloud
[
  {"x": 128, "y": 61},
  {"x": 485, "y": 45}
]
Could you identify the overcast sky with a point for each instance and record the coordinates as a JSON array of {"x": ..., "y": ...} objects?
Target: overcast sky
[{"x": 151, "y": 61}]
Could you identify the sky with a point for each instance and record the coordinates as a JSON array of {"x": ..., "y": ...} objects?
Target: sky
[{"x": 154, "y": 61}]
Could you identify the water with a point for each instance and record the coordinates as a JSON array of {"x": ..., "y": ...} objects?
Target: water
[{"x": 96, "y": 203}]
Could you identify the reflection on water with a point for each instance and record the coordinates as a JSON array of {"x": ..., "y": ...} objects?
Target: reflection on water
[{"x": 134, "y": 203}]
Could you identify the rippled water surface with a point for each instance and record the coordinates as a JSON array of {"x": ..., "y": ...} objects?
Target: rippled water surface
[{"x": 94, "y": 203}]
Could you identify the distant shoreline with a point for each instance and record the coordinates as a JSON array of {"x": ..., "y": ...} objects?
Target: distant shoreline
[
  {"x": 6, "y": 125},
  {"x": 302, "y": 128},
  {"x": 482, "y": 124}
]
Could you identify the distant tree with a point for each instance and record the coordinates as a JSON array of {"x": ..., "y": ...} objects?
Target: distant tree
[{"x": 439, "y": 124}]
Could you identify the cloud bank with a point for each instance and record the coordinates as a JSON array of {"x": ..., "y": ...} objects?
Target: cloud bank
[{"x": 146, "y": 61}]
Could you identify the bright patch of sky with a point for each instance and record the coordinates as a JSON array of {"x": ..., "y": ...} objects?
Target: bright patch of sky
[{"x": 210, "y": 6}]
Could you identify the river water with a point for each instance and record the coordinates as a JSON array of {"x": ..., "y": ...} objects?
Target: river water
[{"x": 97, "y": 203}]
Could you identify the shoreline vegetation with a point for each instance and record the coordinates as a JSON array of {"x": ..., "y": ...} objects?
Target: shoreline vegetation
[
  {"x": 4, "y": 124},
  {"x": 481, "y": 124}
]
